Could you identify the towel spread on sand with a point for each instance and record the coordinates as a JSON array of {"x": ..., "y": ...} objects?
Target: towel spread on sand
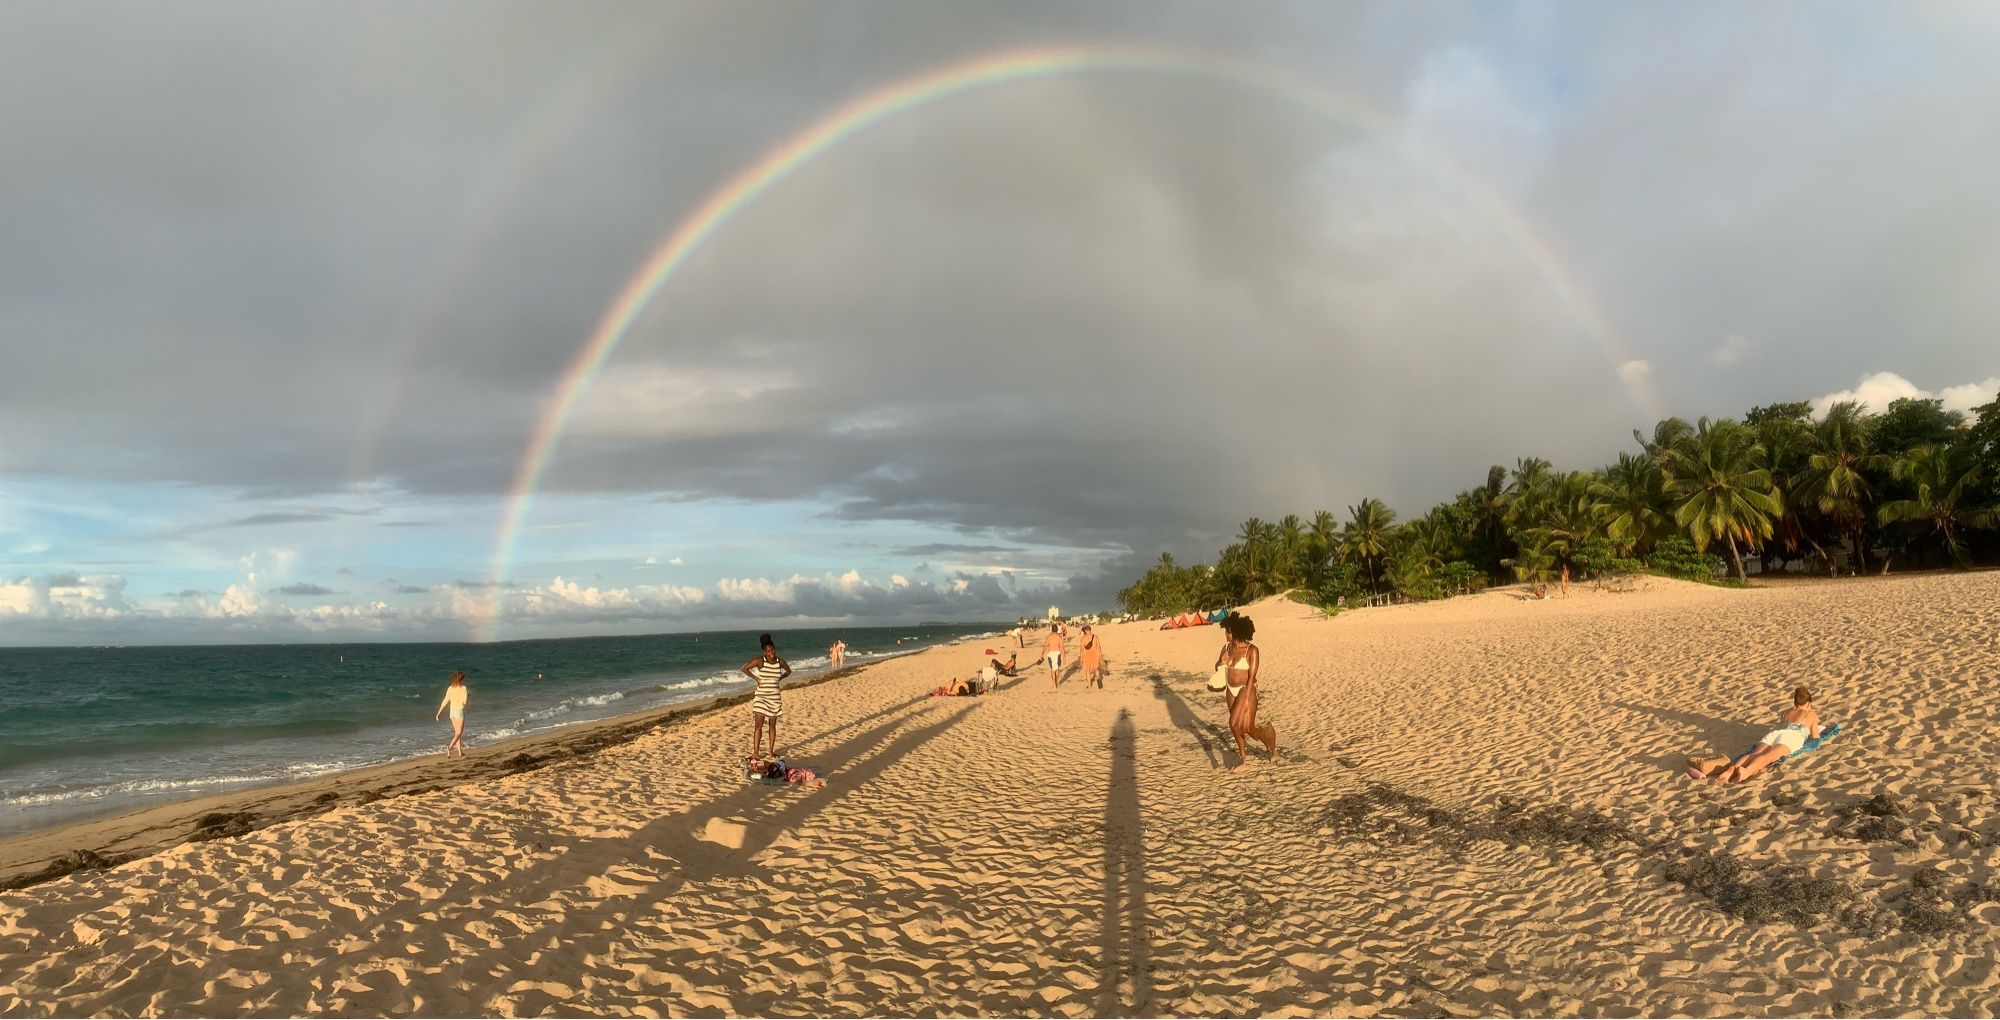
[
  {"x": 1701, "y": 772},
  {"x": 1810, "y": 745}
]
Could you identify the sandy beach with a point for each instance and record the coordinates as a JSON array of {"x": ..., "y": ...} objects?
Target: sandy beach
[{"x": 1477, "y": 807}]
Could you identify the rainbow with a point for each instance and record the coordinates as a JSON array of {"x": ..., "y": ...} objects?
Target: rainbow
[
  {"x": 957, "y": 79},
  {"x": 538, "y": 139}
]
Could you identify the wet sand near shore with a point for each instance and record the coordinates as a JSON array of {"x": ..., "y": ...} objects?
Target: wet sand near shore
[
  {"x": 115, "y": 839},
  {"x": 1477, "y": 807}
]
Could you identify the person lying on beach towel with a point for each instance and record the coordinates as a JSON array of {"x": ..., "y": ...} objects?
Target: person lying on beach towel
[
  {"x": 1709, "y": 766},
  {"x": 1798, "y": 725},
  {"x": 956, "y": 689}
]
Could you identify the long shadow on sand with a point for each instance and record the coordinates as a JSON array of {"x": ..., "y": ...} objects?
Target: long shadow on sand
[
  {"x": 807, "y": 742},
  {"x": 697, "y": 860},
  {"x": 1209, "y": 735},
  {"x": 1128, "y": 946},
  {"x": 859, "y": 760},
  {"x": 1727, "y": 737}
]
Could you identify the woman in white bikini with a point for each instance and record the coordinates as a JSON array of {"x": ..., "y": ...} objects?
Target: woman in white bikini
[
  {"x": 1241, "y": 659},
  {"x": 455, "y": 698},
  {"x": 1795, "y": 727}
]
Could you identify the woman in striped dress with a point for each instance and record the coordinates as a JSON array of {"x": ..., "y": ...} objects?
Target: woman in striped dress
[{"x": 766, "y": 705}]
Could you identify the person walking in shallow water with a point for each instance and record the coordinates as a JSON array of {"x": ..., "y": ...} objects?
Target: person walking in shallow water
[
  {"x": 837, "y": 654},
  {"x": 766, "y": 705},
  {"x": 1241, "y": 659},
  {"x": 455, "y": 697}
]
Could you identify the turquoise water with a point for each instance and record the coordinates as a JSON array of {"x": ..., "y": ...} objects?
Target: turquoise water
[{"x": 95, "y": 731}]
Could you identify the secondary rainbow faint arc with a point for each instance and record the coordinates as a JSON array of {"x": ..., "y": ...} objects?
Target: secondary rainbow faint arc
[{"x": 911, "y": 93}]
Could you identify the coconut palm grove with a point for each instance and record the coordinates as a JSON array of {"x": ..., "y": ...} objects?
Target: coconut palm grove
[{"x": 1780, "y": 490}]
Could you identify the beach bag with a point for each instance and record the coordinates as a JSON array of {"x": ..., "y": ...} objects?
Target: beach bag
[{"x": 1220, "y": 681}]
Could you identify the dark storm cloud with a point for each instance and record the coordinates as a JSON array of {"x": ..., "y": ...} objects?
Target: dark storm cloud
[
  {"x": 951, "y": 549},
  {"x": 269, "y": 518},
  {"x": 1104, "y": 313}
]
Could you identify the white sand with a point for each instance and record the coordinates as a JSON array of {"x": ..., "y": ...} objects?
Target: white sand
[{"x": 1079, "y": 852}]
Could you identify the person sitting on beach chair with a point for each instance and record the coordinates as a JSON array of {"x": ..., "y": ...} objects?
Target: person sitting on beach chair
[
  {"x": 1006, "y": 668},
  {"x": 1799, "y": 724}
]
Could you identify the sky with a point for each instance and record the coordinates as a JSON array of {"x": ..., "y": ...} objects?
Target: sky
[{"x": 289, "y": 292}]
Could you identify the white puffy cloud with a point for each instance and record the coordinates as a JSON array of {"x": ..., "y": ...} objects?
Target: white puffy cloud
[
  {"x": 1876, "y": 391},
  {"x": 756, "y": 589},
  {"x": 1734, "y": 348},
  {"x": 1635, "y": 371},
  {"x": 34, "y": 610},
  {"x": 64, "y": 597},
  {"x": 562, "y": 598}
]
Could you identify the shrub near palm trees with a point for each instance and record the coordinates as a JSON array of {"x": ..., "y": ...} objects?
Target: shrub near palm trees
[
  {"x": 1534, "y": 562},
  {"x": 1725, "y": 491},
  {"x": 1946, "y": 483}
]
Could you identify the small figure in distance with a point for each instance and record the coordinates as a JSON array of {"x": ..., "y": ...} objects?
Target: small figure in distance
[{"x": 455, "y": 697}]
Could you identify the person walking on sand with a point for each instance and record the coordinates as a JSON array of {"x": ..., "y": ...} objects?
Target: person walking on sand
[
  {"x": 1052, "y": 652},
  {"x": 1799, "y": 724},
  {"x": 1242, "y": 660},
  {"x": 1091, "y": 653},
  {"x": 455, "y": 697},
  {"x": 837, "y": 654},
  {"x": 768, "y": 671}
]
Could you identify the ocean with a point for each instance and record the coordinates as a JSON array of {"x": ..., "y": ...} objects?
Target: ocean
[{"x": 87, "y": 732}]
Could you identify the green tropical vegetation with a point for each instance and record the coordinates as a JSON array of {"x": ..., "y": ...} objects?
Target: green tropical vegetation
[{"x": 1841, "y": 492}]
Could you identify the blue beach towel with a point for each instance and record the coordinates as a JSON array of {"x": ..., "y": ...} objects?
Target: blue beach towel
[{"x": 1826, "y": 734}]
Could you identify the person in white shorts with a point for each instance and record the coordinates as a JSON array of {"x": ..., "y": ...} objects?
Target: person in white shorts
[{"x": 1052, "y": 652}]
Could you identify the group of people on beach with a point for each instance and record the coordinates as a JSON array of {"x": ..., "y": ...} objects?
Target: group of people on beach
[
  {"x": 1089, "y": 653},
  {"x": 1236, "y": 669}
]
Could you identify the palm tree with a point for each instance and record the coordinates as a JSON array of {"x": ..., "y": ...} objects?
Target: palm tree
[
  {"x": 1724, "y": 488},
  {"x": 1946, "y": 480},
  {"x": 1533, "y": 562},
  {"x": 1834, "y": 481},
  {"x": 1669, "y": 436},
  {"x": 1490, "y": 502},
  {"x": 1567, "y": 517},
  {"x": 1370, "y": 525},
  {"x": 1415, "y": 561},
  {"x": 1627, "y": 500},
  {"x": 1251, "y": 532},
  {"x": 1525, "y": 490},
  {"x": 1291, "y": 550},
  {"x": 1788, "y": 445},
  {"x": 1324, "y": 538}
]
